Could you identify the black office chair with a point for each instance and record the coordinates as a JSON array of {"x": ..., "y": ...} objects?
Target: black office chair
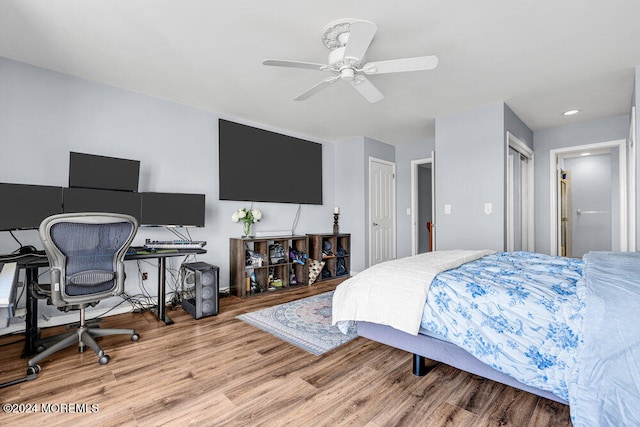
[{"x": 86, "y": 255}]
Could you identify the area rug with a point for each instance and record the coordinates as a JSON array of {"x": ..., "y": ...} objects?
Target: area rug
[{"x": 305, "y": 323}]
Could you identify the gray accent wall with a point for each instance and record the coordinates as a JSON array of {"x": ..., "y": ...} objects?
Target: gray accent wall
[{"x": 514, "y": 125}]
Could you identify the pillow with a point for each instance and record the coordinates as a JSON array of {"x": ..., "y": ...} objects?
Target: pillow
[{"x": 315, "y": 267}]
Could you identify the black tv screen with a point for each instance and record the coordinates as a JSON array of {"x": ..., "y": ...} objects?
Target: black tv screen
[
  {"x": 179, "y": 209},
  {"x": 101, "y": 172},
  {"x": 25, "y": 206},
  {"x": 89, "y": 200},
  {"x": 263, "y": 166}
]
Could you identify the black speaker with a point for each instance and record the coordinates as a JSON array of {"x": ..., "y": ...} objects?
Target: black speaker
[{"x": 207, "y": 283}]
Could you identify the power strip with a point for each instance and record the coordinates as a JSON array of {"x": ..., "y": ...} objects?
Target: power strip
[{"x": 274, "y": 233}]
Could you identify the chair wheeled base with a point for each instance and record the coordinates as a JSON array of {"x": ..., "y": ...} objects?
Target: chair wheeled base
[{"x": 84, "y": 336}]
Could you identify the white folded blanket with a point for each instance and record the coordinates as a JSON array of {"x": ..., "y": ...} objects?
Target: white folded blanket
[{"x": 394, "y": 293}]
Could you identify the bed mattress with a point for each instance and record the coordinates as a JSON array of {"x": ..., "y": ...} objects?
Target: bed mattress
[{"x": 518, "y": 312}]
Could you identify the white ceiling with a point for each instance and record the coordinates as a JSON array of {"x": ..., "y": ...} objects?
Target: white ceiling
[{"x": 539, "y": 57}]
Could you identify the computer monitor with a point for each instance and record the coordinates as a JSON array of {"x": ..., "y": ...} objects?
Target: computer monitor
[
  {"x": 102, "y": 172},
  {"x": 25, "y": 206},
  {"x": 177, "y": 209},
  {"x": 89, "y": 200}
]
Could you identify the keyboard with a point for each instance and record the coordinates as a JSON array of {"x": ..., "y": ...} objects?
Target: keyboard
[
  {"x": 8, "y": 279},
  {"x": 174, "y": 244}
]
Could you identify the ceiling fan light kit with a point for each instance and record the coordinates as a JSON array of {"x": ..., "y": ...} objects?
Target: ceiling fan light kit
[{"x": 348, "y": 41}]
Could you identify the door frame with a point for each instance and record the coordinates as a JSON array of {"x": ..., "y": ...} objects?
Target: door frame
[
  {"x": 415, "y": 164},
  {"x": 393, "y": 208},
  {"x": 527, "y": 230},
  {"x": 631, "y": 183},
  {"x": 554, "y": 156}
]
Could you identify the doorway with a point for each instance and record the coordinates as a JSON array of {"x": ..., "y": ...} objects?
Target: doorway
[
  {"x": 382, "y": 208},
  {"x": 422, "y": 205},
  {"x": 589, "y": 199}
]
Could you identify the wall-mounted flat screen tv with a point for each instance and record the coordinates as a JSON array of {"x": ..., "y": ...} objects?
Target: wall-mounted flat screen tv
[
  {"x": 25, "y": 206},
  {"x": 89, "y": 200},
  {"x": 102, "y": 172},
  {"x": 263, "y": 166},
  {"x": 179, "y": 209}
]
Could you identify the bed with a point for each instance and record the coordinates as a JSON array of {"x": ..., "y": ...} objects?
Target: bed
[{"x": 560, "y": 328}]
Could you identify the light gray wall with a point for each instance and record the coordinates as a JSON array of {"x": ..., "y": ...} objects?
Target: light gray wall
[
  {"x": 470, "y": 171},
  {"x": 44, "y": 115},
  {"x": 404, "y": 155},
  {"x": 350, "y": 197},
  {"x": 352, "y": 191},
  {"x": 609, "y": 129}
]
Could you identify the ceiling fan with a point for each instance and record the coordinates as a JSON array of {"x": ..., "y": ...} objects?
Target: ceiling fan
[{"x": 348, "y": 41}]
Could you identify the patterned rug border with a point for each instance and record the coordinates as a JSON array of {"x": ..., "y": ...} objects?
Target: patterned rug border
[{"x": 316, "y": 338}]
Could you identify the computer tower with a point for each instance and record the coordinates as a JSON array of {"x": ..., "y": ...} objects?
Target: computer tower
[{"x": 207, "y": 284}]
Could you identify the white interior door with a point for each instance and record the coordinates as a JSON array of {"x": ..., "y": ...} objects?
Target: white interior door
[{"x": 381, "y": 211}]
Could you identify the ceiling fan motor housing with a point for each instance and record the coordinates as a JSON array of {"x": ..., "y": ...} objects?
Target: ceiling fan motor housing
[{"x": 337, "y": 60}]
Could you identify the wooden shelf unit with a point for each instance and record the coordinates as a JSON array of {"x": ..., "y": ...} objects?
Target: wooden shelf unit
[
  {"x": 240, "y": 272},
  {"x": 331, "y": 270}
]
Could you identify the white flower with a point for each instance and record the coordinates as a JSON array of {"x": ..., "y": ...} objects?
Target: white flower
[{"x": 249, "y": 216}]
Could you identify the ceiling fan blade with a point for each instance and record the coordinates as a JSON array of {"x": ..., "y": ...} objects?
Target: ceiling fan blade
[
  {"x": 360, "y": 36},
  {"x": 294, "y": 64},
  {"x": 420, "y": 63},
  {"x": 367, "y": 89},
  {"x": 317, "y": 88}
]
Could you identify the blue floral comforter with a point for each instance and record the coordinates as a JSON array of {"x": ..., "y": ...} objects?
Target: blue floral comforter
[{"x": 518, "y": 312}]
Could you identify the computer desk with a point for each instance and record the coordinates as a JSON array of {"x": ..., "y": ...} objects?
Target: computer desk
[{"x": 31, "y": 264}]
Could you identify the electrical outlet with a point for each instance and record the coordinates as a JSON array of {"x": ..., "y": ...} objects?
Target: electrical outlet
[{"x": 145, "y": 275}]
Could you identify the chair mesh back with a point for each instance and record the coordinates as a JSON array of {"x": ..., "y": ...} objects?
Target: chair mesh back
[{"x": 89, "y": 247}]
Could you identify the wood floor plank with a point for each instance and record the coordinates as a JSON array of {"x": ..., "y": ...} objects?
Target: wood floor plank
[{"x": 219, "y": 370}]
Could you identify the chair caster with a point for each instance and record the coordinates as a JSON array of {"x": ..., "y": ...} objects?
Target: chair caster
[
  {"x": 33, "y": 370},
  {"x": 104, "y": 359},
  {"x": 135, "y": 337}
]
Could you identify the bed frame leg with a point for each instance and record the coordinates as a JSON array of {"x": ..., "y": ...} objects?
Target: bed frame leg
[{"x": 420, "y": 368}]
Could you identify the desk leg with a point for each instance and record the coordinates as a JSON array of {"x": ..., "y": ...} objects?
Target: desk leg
[
  {"x": 32, "y": 333},
  {"x": 162, "y": 307}
]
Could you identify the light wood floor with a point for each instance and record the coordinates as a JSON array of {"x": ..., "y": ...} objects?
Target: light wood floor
[{"x": 221, "y": 371}]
